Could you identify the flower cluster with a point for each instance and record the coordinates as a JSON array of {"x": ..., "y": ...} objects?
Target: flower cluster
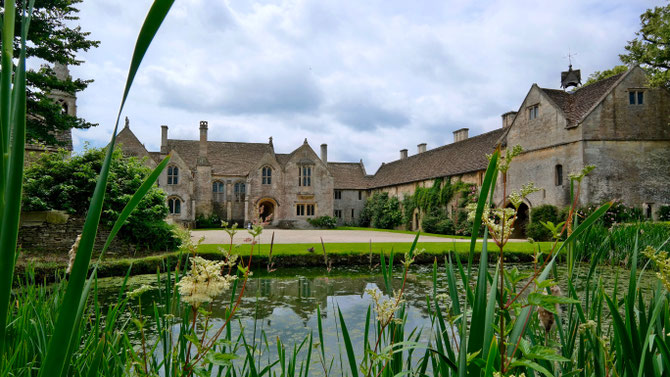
[
  {"x": 499, "y": 221},
  {"x": 203, "y": 282},
  {"x": 385, "y": 309},
  {"x": 662, "y": 261}
]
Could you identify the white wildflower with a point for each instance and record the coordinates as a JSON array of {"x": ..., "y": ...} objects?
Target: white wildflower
[
  {"x": 73, "y": 253},
  {"x": 203, "y": 282},
  {"x": 138, "y": 292},
  {"x": 385, "y": 309}
]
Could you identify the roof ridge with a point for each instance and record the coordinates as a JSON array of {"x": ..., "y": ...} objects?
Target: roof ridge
[{"x": 442, "y": 147}]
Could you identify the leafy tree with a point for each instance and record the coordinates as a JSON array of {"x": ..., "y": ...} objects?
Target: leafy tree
[
  {"x": 651, "y": 47},
  {"x": 52, "y": 39},
  {"x": 57, "y": 182},
  {"x": 598, "y": 75},
  {"x": 381, "y": 211}
]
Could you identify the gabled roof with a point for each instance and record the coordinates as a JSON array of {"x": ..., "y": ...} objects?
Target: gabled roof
[
  {"x": 349, "y": 175},
  {"x": 465, "y": 156},
  {"x": 130, "y": 143},
  {"x": 578, "y": 104},
  {"x": 225, "y": 157}
]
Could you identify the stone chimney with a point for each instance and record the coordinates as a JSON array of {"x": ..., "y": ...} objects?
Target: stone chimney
[
  {"x": 508, "y": 118},
  {"x": 460, "y": 135},
  {"x": 324, "y": 153},
  {"x": 421, "y": 148},
  {"x": 164, "y": 139},
  {"x": 202, "y": 155},
  {"x": 403, "y": 154}
]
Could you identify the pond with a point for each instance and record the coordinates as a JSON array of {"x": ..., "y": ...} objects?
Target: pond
[{"x": 284, "y": 304}]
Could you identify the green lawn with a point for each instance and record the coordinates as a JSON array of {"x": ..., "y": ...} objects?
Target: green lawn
[
  {"x": 433, "y": 248},
  {"x": 400, "y": 231}
]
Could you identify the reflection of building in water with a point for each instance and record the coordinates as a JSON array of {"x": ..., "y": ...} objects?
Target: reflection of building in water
[{"x": 302, "y": 295}]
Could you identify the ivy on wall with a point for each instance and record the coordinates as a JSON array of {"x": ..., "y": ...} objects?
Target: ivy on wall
[{"x": 434, "y": 200}]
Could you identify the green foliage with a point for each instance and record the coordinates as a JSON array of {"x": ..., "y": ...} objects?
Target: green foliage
[
  {"x": 381, "y": 211},
  {"x": 55, "y": 181},
  {"x": 598, "y": 75},
  {"x": 650, "y": 47},
  {"x": 53, "y": 38},
  {"x": 618, "y": 213},
  {"x": 434, "y": 200},
  {"x": 323, "y": 222},
  {"x": 211, "y": 221},
  {"x": 663, "y": 213},
  {"x": 437, "y": 223},
  {"x": 543, "y": 214}
]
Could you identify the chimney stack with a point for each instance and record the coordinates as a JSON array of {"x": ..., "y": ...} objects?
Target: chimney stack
[
  {"x": 324, "y": 153},
  {"x": 508, "y": 118},
  {"x": 164, "y": 139},
  {"x": 421, "y": 148},
  {"x": 460, "y": 135},
  {"x": 202, "y": 156},
  {"x": 403, "y": 154}
]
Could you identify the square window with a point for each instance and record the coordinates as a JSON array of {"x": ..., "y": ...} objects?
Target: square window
[
  {"x": 360, "y": 195},
  {"x": 310, "y": 210},
  {"x": 631, "y": 98},
  {"x": 533, "y": 112},
  {"x": 338, "y": 213},
  {"x": 300, "y": 210},
  {"x": 640, "y": 98},
  {"x": 338, "y": 194}
]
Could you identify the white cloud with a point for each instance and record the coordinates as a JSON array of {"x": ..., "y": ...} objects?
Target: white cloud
[{"x": 368, "y": 78}]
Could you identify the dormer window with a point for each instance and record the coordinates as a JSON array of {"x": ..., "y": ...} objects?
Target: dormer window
[
  {"x": 304, "y": 176},
  {"x": 533, "y": 112},
  {"x": 173, "y": 175},
  {"x": 636, "y": 97},
  {"x": 267, "y": 175}
]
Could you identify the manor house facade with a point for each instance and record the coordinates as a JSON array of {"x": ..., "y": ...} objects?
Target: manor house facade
[{"x": 619, "y": 124}]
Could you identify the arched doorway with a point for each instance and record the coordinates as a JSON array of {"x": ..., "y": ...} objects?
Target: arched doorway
[
  {"x": 522, "y": 217},
  {"x": 266, "y": 209}
]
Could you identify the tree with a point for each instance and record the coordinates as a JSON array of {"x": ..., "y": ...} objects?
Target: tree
[
  {"x": 598, "y": 75},
  {"x": 651, "y": 47},
  {"x": 57, "y": 182},
  {"x": 52, "y": 39}
]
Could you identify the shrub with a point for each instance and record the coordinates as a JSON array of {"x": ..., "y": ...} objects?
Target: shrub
[
  {"x": 663, "y": 213},
  {"x": 445, "y": 226},
  {"x": 56, "y": 181},
  {"x": 381, "y": 211},
  {"x": 323, "y": 222},
  {"x": 429, "y": 223},
  {"x": 211, "y": 221},
  {"x": 619, "y": 213},
  {"x": 540, "y": 214}
]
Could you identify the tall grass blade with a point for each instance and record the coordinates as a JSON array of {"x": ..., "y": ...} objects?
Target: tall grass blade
[
  {"x": 63, "y": 332},
  {"x": 13, "y": 180},
  {"x": 524, "y": 316},
  {"x": 349, "y": 347},
  {"x": 487, "y": 187}
]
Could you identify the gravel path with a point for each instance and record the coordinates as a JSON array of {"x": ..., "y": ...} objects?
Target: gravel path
[{"x": 313, "y": 236}]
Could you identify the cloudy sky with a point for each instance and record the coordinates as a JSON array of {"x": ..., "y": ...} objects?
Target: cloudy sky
[{"x": 366, "y": 77}]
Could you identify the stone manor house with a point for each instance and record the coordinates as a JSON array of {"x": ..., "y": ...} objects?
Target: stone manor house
[{"x": 619, "y": 124}]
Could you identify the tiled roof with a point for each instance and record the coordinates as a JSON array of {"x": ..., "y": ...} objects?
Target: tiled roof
[
  {"x": 576, "y": 105},
  {"x": 282, "y": 158},
  {"x": 349, "y": 175},
  {"x": 225, "y": 157},
  {"x": 457, "y": 158}
]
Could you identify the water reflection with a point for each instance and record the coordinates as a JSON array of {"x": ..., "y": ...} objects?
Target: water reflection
[{"x": 284, "y": 304}]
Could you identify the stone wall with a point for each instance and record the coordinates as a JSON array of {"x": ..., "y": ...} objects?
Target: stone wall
[
  {"x": 55, "y": 232},
  {"x": 350, "y": 200}
]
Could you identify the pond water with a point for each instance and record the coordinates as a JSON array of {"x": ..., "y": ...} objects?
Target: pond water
[{"x": 284, "y": 303}]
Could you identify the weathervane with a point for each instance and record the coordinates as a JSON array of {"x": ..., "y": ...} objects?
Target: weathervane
[{"x": 571, "y": 77}]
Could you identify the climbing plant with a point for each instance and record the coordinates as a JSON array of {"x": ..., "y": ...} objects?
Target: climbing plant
[{"x": 433, "y": 200}]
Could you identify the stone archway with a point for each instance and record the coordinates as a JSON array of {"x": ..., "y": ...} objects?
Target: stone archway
[
  {"x": 522, "y": 218},
  {"x": 266, "y": 209}
]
